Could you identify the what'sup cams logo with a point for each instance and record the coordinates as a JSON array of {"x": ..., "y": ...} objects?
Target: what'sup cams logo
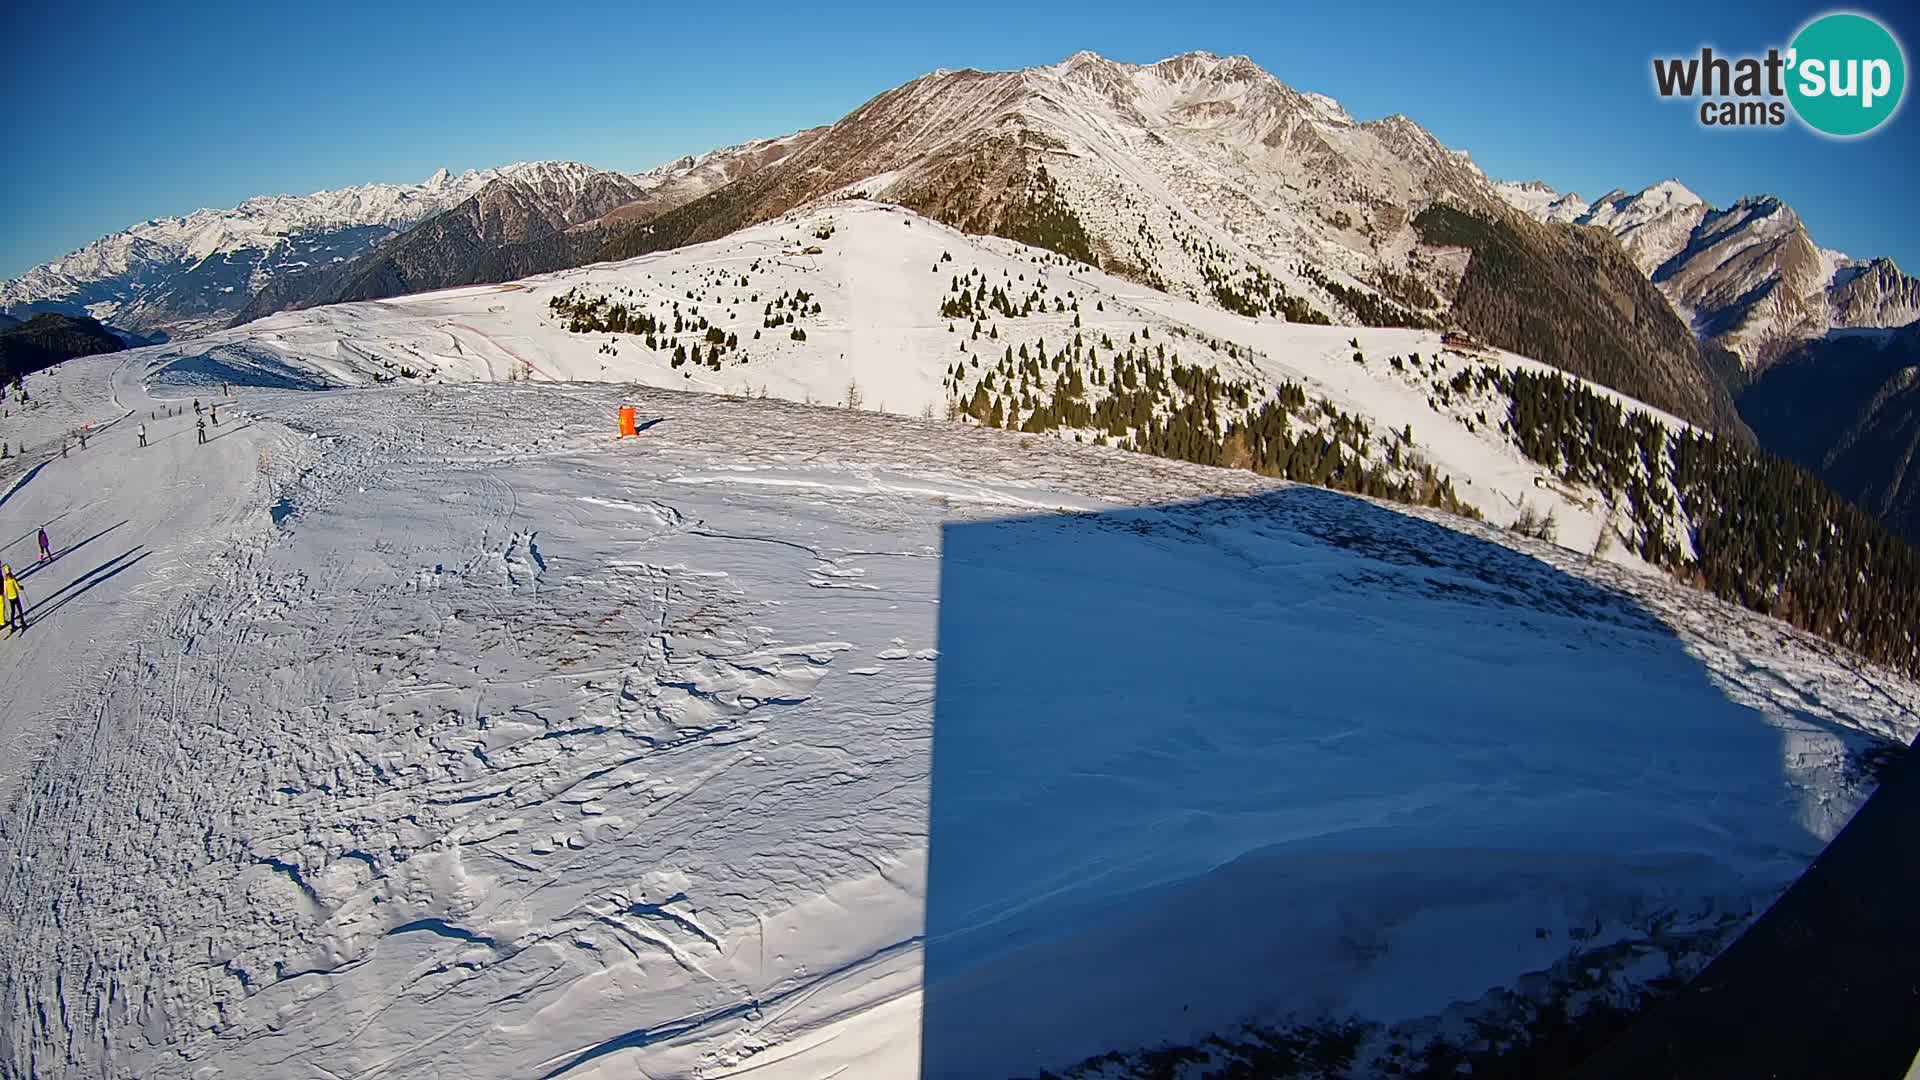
[{"x": 1843, "y": 75}]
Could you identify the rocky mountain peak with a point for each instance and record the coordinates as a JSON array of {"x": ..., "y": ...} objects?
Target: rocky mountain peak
[
  {"x": 1671, "y": 193},
  {"x": 1748, "y": 277}
]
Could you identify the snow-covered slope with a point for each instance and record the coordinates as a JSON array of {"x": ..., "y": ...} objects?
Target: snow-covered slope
[
  {"x": 880, "y": 276},
  {"x": 428, "y": 730},
  {"x": 1208, "y": 178}
]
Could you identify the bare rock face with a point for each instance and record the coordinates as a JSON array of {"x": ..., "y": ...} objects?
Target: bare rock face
[{"x": 1874, "y": 294}]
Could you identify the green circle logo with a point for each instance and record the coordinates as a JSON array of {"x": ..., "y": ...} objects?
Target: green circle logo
[{"x": 1847, "y": 74}]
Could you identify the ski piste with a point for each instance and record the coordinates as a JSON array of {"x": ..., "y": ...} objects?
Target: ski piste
[{"x": 490, "y": 712}]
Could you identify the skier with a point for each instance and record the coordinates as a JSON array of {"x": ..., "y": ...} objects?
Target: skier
[
  {"x": 202, "y": 426},
  {"x": 46, "y": 549},
  {"x": 196, "y": 406},
  {"x": 83, "y": 439},
  {"x": 143, "y": 434},
  {"x": 16, "y": 605},
  {"x": 215, "y": 413}
]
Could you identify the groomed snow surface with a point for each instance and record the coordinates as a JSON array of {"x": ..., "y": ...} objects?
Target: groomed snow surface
[
  {"x": 429, "y": 731},
  {"x": 426, "y": 731},
  {"x": 879, "y": 277}
]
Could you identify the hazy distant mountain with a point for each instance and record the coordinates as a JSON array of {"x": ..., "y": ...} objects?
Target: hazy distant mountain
[
  {"x": 497, "y": 233},
  {"x": 681, "y": 181},
  {"x": 171, "y": 276},
  {"x": 1542, "y": 202},
  {"x": 535, "y": 218}
]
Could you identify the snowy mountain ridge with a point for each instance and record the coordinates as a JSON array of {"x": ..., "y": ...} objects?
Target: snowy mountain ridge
[
  {"x": 710, "y": 160},
  {"x": 181, "y": 274},
  {"x": 1536, "y": 199},
  {"x": 1749, "y": 278},
  {"x": 1196, "y": 173},
  {"x": 258, "y": 222}
]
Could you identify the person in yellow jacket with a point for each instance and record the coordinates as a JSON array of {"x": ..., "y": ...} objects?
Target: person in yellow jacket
[{"x": 16, "y": 605}]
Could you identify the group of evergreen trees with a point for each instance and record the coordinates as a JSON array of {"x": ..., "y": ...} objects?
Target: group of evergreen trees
[
  {"x": 969, "y": 297},
  {"x": 1141, "y": 396},
  {"x": 1370, "y": 309},
  {"x": 1244, "y": 290},
  {"x": 786, "y": 308},
  {"x": 583, "y": 312},
  {"x": 1571, "y": 298},
  {"x": 1255, "y": 293},
  {"x": 1406, "y": 289},
  {"x": 709, "y": 350},
  {"x": 1045, "y": 219},
  {"x": 1764, "y": 533},
  {"x": 1769, "y": 536},
  {"x": 1266, "y": 441}
]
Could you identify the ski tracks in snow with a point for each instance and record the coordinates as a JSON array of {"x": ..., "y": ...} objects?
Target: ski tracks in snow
[
  {"x": 498, "y": 741},
  {"x": 465, "y": 746}
]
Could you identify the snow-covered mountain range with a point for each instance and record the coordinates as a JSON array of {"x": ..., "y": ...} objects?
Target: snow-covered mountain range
[
  {"x": 856, "y": 296},
  {"x": 476, "y": 239},
  {"x": 1201, "y": 177},
  {"x": 175, "y": 275},
  {"x": 1749, "y": 278}
]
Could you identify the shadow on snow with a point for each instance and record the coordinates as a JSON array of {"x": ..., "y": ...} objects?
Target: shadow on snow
[
  {"x": 85, "y": 583},
  {"x": 1298, "y": 755},
  {"x": 36, "y": 566}
]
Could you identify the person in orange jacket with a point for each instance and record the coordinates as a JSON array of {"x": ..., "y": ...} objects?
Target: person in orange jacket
[{"x": 16, "y": 604}]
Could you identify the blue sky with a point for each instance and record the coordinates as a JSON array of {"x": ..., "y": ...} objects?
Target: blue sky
[{"x": 142, "y": 110}]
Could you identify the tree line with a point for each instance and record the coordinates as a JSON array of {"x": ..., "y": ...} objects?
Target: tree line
[{"x": 1763, "y": 532}]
